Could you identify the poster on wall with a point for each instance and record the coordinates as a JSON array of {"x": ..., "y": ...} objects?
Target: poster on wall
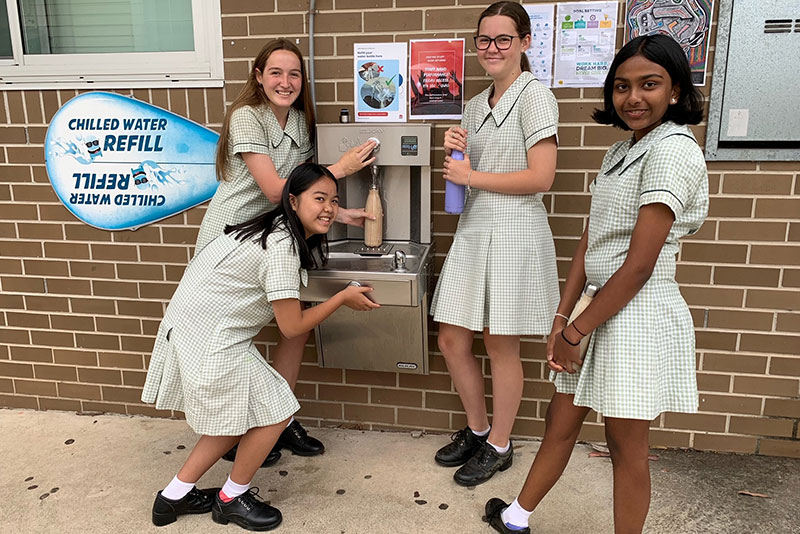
[
  {"x": 437, "y": 78},
  {"x": 380, "y": 81},
  {"x": 686, "y": 21},
  {"x": 540, "y": 53},
  {"x": 118, "y": 163},
  {"x": 586, "y": 33}
]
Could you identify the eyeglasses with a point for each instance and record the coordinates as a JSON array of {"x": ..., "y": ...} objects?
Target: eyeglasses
[{"x": 502, "y": 42}]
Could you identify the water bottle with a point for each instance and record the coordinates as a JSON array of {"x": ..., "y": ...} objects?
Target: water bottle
[{"x": 454, "y": 193}]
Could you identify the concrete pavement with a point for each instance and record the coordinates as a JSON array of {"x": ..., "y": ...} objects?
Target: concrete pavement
[{"x": 64, "y": 473}]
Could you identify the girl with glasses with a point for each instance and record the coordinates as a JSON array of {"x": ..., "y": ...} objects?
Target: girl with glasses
[{"x": 499, "y": 278}]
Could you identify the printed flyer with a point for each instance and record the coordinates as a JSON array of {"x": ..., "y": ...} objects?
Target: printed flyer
[
  {"x": 118, "y": 163},
  {"x": 585, "y": 39},
  {"x": 686, "y": 21},
  {"x": 540, "y": 53},
  {"x": 437, "y": 78},
  {"x": 380, "y": 81}
]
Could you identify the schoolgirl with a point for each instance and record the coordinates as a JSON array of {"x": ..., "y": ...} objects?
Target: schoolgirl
[
  {"x": 651, "y": 190},
  {"x": 500, "y": 276},
  {"x": 204, "y": 362},
  {"x": 267, "y": 132}
]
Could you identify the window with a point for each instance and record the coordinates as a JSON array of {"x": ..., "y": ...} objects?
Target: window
[{"x": 110, "y": 43}]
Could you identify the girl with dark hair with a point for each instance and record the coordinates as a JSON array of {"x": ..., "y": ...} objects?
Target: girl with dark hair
[
  {"x": 267, "y": 132},
  {"x": 651, "y": 190},
  {"x": 204, "y": 362},
  {"x": 500, "y": 276}
]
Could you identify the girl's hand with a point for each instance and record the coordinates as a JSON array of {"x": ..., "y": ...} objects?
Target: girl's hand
[
  {"x": 565, "y": 355},
  {"x": 353, "y": 216},
  {"x": 354, "y": 159},
  {"x": 457, "y": 171},
  {"x": 455, "y": 138},
  {"x": 355, "y": 298},
  {"x": 559, "y": 323}
]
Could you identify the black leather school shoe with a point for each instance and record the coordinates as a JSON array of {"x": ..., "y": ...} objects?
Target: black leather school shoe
[
  {"x": 295, "y": 438},
  {"x": 271, "y": 459},
  {"x": 483, "y": 465},
  {"x": 463, "y": 447},
  {"x": 495, "y": 507},
  {"x": 247, "y": 511},
  {"x": 166, "y": 511}
]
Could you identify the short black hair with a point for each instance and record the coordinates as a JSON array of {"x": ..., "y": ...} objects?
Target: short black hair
[{"x": 665, "y": 51}]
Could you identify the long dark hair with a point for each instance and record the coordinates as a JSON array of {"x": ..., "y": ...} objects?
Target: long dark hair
[
  {"x": 522, "y": 21},
  {"x": 666, "y": 52},
  {"x": 253, "y": 95},
  {"x": 258, "y": 228}
]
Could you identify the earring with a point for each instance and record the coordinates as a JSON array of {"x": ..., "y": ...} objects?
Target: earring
[{"x": 673, "y": 101}]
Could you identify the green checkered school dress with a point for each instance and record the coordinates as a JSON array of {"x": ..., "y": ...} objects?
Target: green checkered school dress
[
  {"x": 238, "y": 198},
  {"x": 500, "y": 272},
  {"x": 204, "y": 362},
  {"x": 641, "y": 362}
]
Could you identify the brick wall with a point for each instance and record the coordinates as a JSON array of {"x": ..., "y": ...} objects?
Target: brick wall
[{"x": 79, "y": 306}]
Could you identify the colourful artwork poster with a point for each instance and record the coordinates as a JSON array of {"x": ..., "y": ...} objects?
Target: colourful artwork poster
[
  {"x": 118, "y": 163},
  {"x": 586, "y": 33},
  {"x": 437, "y": 78},
  {"x": 540, "y": 53},
  {"x": 686, "y": 21},
  {"x": 380, "y": 81}
]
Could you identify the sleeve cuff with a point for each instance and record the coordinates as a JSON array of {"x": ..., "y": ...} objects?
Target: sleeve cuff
[
  {"x": 256, "y": 148},
  {"x": 662, "y": 196},
  {"x": 544, "y": 133},
  {"x": 283, "y": 294}
]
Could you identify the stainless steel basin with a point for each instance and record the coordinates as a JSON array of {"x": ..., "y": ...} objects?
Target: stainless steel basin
[
  {"x": 389, "y": 286},
  {"x": 390, "y": 338}
]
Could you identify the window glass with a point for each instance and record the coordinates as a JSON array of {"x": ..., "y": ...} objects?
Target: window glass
[
  {"x": 5, "y": 38},
  {"x": 107, "y": 26}
]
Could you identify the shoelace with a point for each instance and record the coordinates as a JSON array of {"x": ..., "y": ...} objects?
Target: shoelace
[
  {"x": 298, "y": 430},
  {"x": 250, "y": 498},
  {"x": 458, "y": 434}
]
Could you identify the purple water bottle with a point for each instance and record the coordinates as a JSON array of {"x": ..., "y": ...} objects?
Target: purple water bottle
[{"x": 454, "y": 193}]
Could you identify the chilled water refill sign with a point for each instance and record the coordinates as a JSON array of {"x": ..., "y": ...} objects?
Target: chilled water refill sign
[{"x": 117, "y": 163}]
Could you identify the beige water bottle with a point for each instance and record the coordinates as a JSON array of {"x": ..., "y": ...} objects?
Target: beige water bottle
[
  {"x": 373, "y": 230},
  {"x": 583, "y": 302}
]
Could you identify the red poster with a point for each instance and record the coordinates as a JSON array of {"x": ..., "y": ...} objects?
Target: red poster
[{"x": 437, "y": 78}]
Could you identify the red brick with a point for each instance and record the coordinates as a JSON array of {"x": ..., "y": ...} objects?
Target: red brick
[
  {"x": 761, "y": 427},
  {"x": 775, "y": 447},
  {"x": 782, "y": 387}
]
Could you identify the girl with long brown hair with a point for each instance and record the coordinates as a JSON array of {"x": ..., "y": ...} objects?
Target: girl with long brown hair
[{"x": 267, "y": 132}]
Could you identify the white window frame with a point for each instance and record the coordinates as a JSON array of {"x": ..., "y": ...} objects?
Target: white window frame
[{"x": 202, "y": 67}]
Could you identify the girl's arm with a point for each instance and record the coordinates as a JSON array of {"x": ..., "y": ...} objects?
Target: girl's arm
[
  {"x": 576, "y": 279},
  {"x": 293, "y": 320},
  {"x": 264, "y": 173},
  {"x": 649, "y": 234},
  {"x": 537, "y": 178}
]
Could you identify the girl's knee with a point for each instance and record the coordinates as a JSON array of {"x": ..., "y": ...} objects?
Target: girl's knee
[
  {"x": 452, "y": 341},
  {"x": 627, "y": 439}
]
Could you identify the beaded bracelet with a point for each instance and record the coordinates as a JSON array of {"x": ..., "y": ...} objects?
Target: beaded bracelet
[{"x": 568, "y": 341}]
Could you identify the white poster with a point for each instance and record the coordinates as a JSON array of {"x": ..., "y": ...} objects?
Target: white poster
[
  {"x": 540, "y": 53},
  {"x": 380, "y": 81},
  {"x": 585, "y": 40}
]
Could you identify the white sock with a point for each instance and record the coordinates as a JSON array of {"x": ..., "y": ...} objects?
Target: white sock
[
  {"x": 482, "y": 432},
  {"x": 501, "y": 450},
  {"x": 177, "y": 489},
  {"x": 515, "y": 516},
  {"x": 232, "y": 490}
]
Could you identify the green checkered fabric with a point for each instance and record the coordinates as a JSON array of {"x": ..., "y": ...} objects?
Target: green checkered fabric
[
  {"x": 500, "y": 271},
  {"x": 209, "y": 367},
  {"x": 256, "y": 130},
  {"x": 641, "y": 362}
]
